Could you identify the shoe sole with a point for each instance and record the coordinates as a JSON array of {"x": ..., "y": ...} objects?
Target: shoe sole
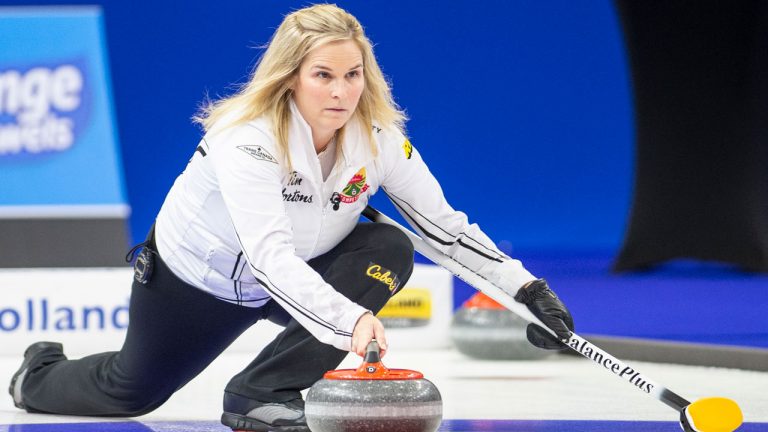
[
  {"x": 242, "y": 423},
  {"x": 12, "y": 389}
]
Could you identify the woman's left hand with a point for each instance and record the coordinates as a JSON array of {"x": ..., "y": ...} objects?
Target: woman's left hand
[
  {"x": 368, "y": 327},
  {"x": 547, "y": 307}
]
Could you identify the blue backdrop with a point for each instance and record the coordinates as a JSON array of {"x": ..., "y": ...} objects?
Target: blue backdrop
[{"x": 521, "y": 108}]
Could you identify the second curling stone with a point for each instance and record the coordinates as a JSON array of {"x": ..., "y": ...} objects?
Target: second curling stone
[
  {"x": 373, "y": 398},
  {"x": 484, "y": 329}
]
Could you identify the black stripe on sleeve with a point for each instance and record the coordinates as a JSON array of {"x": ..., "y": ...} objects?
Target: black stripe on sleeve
[
  {"x": 421, "y": 228},
  {"x": 501, "y": 256},
  {"x": 237, "y": 263},
  {"x": 240, "y": 282},
  {"x": 238, "y": 294},
  {"x": 310, "y": 315},
  {"x": 482, "y": 254},
  {"x": 242, "y": 301},
  {"x": 276, "y": 292},
  {"x": 434, "y": 237}
]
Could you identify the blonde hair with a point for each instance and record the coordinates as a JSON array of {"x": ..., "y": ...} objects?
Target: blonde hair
[{"x": 267, "y": 93}]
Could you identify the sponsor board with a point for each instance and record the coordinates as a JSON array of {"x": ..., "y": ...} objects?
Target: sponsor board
[
  {"x": 419, "y": 316},
  {"x": 87, "y": 310},
  {"x": 58, "y": 141},
  {"x": 411, "y": 307}
]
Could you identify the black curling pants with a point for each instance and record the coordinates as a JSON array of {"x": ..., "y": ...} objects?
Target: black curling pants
[{"x": 176, "y": 330}]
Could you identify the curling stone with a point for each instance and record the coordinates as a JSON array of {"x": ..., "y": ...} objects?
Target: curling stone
[
  {"x": 373, "y": 398},
  {"x": 484, "y": 329}
]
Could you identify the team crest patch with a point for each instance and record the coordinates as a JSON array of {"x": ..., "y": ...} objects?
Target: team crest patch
[
  {"x": 258, "y": 152},
  {"x": 354, "y": 188},
  {"x": 408, "y": 148},
  {"x": 385, "y": 276}
]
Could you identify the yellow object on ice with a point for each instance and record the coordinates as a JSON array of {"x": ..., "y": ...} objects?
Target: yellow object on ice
[{"x": 714, "y": 415}]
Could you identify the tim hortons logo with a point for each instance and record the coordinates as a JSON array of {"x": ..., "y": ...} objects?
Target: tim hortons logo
[{"x": 294, "y": 180}]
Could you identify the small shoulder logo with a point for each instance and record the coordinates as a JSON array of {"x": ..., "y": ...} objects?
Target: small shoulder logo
[
  {"x": 355, "y": 187},
  {"x": 408, "y": 148},
  {"x": 258, "y": 152}
]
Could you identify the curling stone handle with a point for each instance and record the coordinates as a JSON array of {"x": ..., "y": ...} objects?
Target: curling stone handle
[{"x": 372, "y": 352}]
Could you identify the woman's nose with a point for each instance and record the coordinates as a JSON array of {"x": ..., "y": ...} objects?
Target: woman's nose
[{"x": 338, "y": 89}]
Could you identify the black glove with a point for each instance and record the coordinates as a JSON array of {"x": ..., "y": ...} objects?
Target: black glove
[{"x": 543, "y": 303}]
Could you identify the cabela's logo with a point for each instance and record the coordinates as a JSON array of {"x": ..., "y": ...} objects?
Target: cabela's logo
[
  {"x": 384, "y": 276},
  {"x": 355, "y": 187}
]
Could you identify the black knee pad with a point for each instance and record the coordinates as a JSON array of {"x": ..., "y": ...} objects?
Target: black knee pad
[
  {"x": 370, "y": 265},
  {"x": 392, "y": 241}
]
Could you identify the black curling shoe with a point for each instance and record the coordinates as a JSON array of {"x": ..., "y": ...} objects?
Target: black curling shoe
[
  {"x": 263, "y": 416},
  {"x": 30, "y": 354}
]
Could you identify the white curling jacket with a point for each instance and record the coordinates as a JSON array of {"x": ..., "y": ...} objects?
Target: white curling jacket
[{"x": 240, "y": 226}]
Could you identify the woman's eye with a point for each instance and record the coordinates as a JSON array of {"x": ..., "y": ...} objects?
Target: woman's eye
[
  {"x": 322, "y": 74},
  {"x": 353, "y": 74}
]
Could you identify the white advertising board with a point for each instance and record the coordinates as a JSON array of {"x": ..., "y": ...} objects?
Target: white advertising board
[{"x": 87, "y": 310}]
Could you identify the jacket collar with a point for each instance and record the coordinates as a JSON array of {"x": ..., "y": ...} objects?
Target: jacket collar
[{"x": 356, "y": 151}]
